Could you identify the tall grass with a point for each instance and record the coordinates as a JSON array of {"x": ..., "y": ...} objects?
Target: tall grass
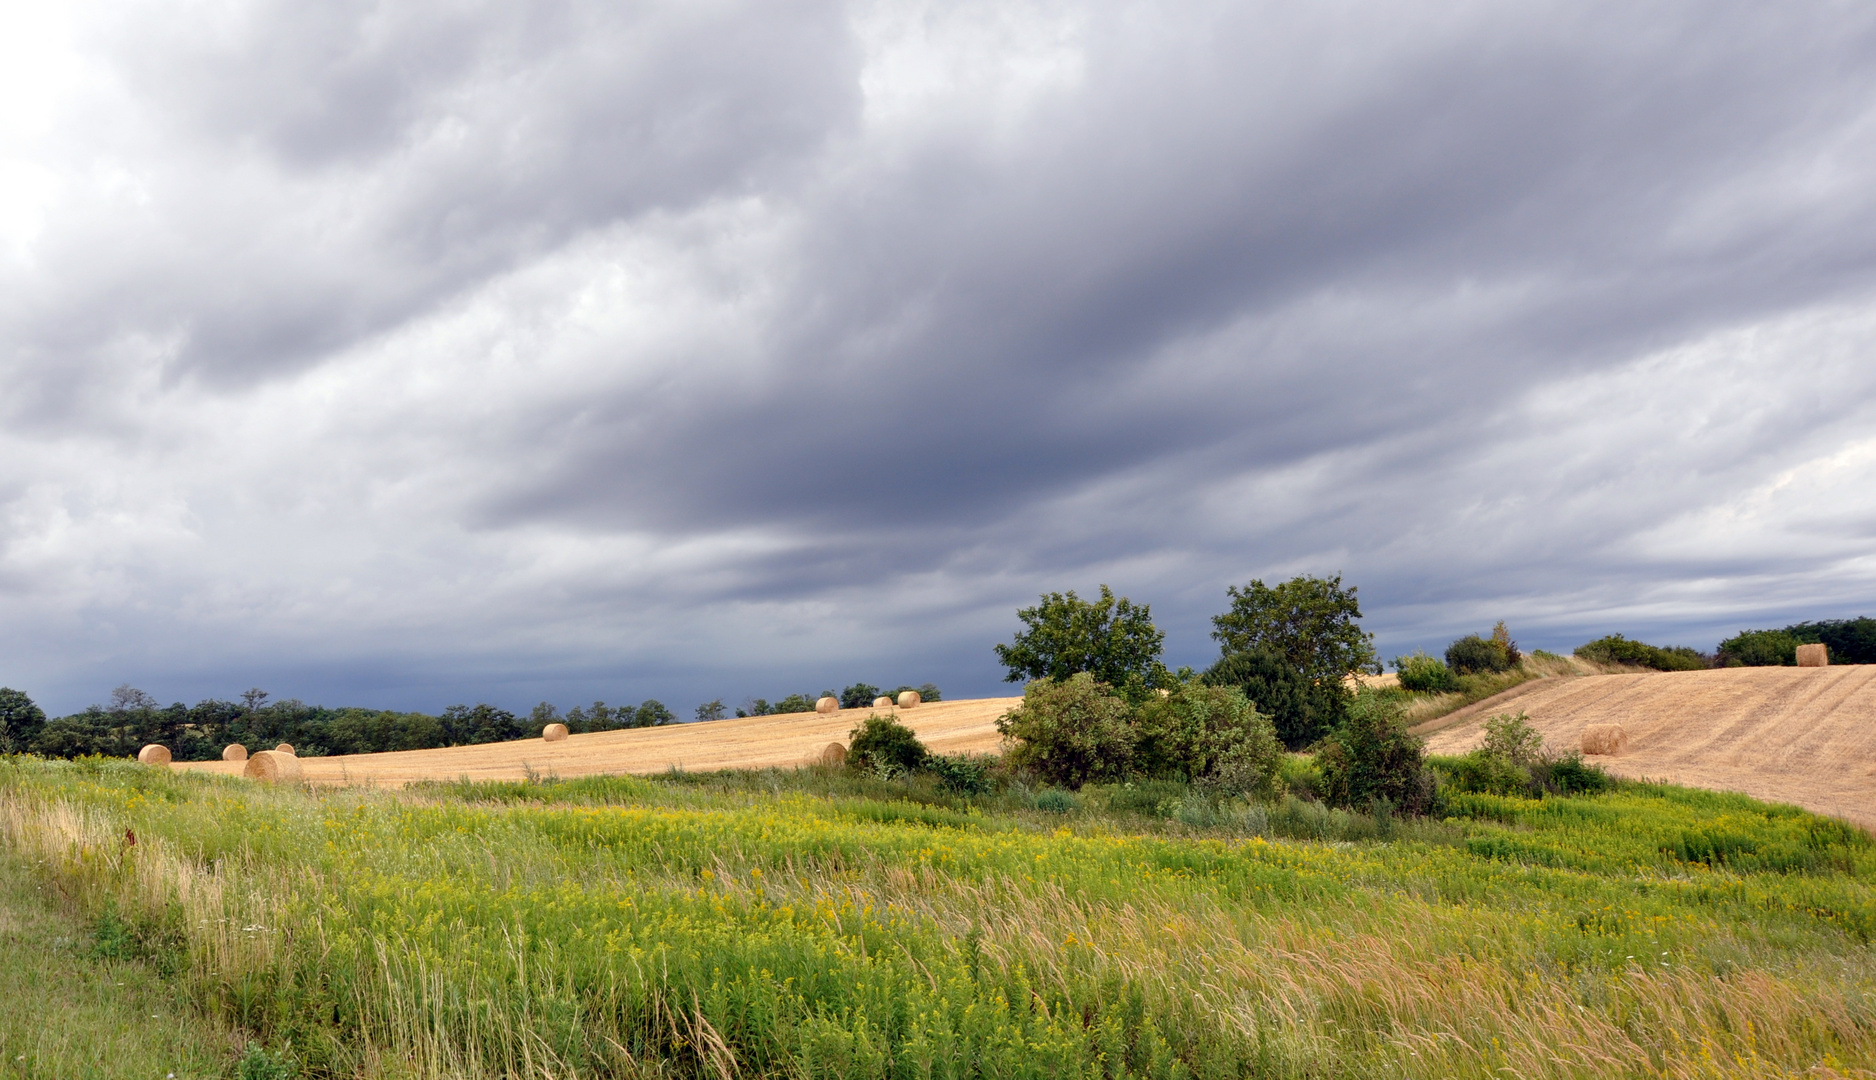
[{"x": 781, "y": 925}]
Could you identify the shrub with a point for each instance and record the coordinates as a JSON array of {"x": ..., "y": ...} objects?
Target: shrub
[
  {"x": 1851, "y": 641},
  {"x": 795, "y": 703},
  {"x": 1513, "y": 738},
  {"x": 1473, "y": 654},
  {"x": 1373, "y": 756},
  {"x": 1056, "y": 801},
  {"x": 885, "y": 746},
  {"x": 1487, "y": 774},
  {"x": 1210, "y": 734},
  {"x": 1423, "y": 673},
  {"x": 1569, "y": 775},
  {"x": 1616, "y": 649},
  {"x": 1759, "y": 648},
  {"x": 1300, "y": 711},
  {"x": 1070, "y": 731},
  {"x": 964, "y": 774}
]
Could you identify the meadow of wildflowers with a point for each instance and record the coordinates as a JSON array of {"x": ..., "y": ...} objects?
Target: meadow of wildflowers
[{"x": 782, "y": 925}]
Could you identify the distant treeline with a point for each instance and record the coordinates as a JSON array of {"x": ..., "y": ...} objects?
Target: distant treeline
[
  {"x": 1851, "y": 641},
  {"x": 200, "y": 732}
]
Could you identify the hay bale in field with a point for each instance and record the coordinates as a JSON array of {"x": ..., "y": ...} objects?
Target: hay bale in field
[
  {"x": 234, "y": 752},
  {"x": 554, "y": 733},
  {"x": 154, "y": 754},
  {"x": 273, "y": 767},
  {"x": 1817, "y": 655},
  {"x": 909, "y": 698},
  {"x": 1604, "y": 739},
  {"x": 285, "y": 748},
  {"x": 835, "y": 754},
  {"x": 882, "y": 702},
  {"x": 827, "y": 704}
]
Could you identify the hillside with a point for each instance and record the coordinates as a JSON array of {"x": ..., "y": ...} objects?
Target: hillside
[
  {"x": 1797, "y": 735},
  {"x": 947, "y": 727}
]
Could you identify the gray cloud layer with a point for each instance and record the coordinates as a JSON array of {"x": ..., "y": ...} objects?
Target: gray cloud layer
[{"x": 718, "y": 349}]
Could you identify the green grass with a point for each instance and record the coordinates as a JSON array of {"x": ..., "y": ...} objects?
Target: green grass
[
  {"x": 84, "y": 1001},
  {"x": 817, "y": 924}
]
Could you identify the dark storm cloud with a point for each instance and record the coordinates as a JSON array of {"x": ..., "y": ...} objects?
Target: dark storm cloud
[{"x": 710, "y": 339}]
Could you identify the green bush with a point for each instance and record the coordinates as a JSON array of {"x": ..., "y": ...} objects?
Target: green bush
[
  {"x": 1301, "y": 711},
  {"x": 1486, "y": 774},
  {"x": 885, "y": 746},
  {"x": 1572, "y": 776},
  {"x": 964, "y": 774},
  {"x": 1070, "y": 731},
  {"x": 858, "y": 696},
  {"x": 1472, "y": 654},
  {"x": 1372, "y": 756},
  {"x": 1760, "y": 648},
  {"x": 1513, "y": 738},
  {"x": 1423, "y": 673},
  {"x": 1056, "y": 801},
  {"x": 1208, "y": 734},
  {"x": 1616, "y": 649}
]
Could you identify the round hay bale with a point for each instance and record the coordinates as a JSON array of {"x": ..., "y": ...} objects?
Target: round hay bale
[
  {"x": 1816, "y": 655},
  {"x": 909, "y": 698},
  {"x": 235, "y": 752},
  {"x": 554, "y": 733},
  {"x": 1604, "y": 739},
  {"x": 827, "y": 704},
  {"x": 285, "y": 748},
  {"x": 273, "y": 767},
  {"x": 154, "y": 754},
  {"x": 882, "y": 702},
  {"x": 834, "y": 754}
]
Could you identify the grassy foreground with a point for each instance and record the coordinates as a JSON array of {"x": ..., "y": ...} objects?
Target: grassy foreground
[{"x": 808, "y": 925}]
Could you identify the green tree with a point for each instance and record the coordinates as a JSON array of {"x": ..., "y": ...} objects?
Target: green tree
[
  {"x": 711, "y": 710},
  {"x": 1301, "y": 712},
  {"x": 1070, "y": 731},
  {"x": 1111, "y": 639},
  {"x": 1373, "y": 757},
  {"x": 20, "y": 721},
  {"x": 1209, "y": 735},
  {"x": 1313, "y": 623},
  {"x": 883, "y": 745},
  {"x": 858, "y": 696}
]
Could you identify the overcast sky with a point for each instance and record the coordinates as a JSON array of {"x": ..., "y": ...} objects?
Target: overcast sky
[{"x": 418, "y": 353}]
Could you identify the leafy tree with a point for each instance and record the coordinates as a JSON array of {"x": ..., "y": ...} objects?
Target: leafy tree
[
  {"x": 929, "y": 692},
  {"x": 1313, "y": 623},
  {"x": 1208, "y": 734},
  {"x": 1752, "y": 648},
  {"x": 1110, "y": 639},
  {"x": 652, "y": 713},
  {"x": 711, "y": 710},
  {"x": 20, "y": 721},
  {"x": 1373, "y": 757},
  {"x": 542, "y": 715},
  {"x": 793, "y": 703},
  {"x": 1513, "y": 738},
  {"x": 883, "y": 745},
  {"x": 1300, "y": 711},
  {"x": 1851, "y": 641},
  {"x": 464, "y": 725},
  {"x": 1070, "y": 731},
  {"x": 858, "y": 696},
  {"x": 1421, "y": 672}
]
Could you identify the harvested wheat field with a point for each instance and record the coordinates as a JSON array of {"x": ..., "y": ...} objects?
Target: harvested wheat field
[
  {"x": 947, "y": 727},
  {"x": 1795, "y": 735}
]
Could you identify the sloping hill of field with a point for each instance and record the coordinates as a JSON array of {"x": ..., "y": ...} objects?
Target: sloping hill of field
[
  {"x": 947, "y": 727},
  {"x": 1795, "y": 735}
]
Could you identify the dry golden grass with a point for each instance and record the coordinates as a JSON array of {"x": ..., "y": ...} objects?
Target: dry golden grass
[
  {"x": 947, "y": 727},
  {"x": 1786, "y": 734}
]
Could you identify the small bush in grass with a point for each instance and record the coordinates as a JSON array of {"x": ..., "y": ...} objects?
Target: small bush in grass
[
  {"x": 1070, "y": 732},
  {"x": 1424, "y": 673},
  {"x": 1513, "y": 738},
  {"x": 1057, "y": 801},
  {"x": 1487, "y": 774},
  {"x": 883, "y": 745},
  {"x": 1569, "y": 775},
  {"x": 1372, "y": 756},
  {"x": 1209, "y": 735},
  {"x": 1473, "y": 654},
  {"x": 961, "y": 773}
]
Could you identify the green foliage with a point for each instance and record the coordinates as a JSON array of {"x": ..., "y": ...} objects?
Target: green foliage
[
  {"x": 1485, "y": 773},
  {"x": 1851, "y": 641},
  {"x": 963, "y": 774},
  {"x": 1372, "y": 756},
  {"x": 1425, "y": 674},
  {"x": 1111, "y": 639},
  {"x": 1313, "y": 623},
  {"x": 1472, "y": 654},
  {"x": 20, "y": 721},
  {"x": 1208, "y": 734},
  {"x": 1513, "y": 739},
  {"x": 929, "y": 692},
  {"x": 1070, "y": 731},
  {"x": 711, "y": 710},
  {"x": 1302, "y": 712},
  {"x": 883, "y": 745},
  {"x": 795, "y": 703},
  {"x": 858, "y": 696},
  {"x": 1057, "y": 801},
  {"x": 1616, "y": 649},
  {"x": 258, "y": 1064},
  {"x": 1570, "y": 775},
  {"x": 1760, "y": 648}
]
